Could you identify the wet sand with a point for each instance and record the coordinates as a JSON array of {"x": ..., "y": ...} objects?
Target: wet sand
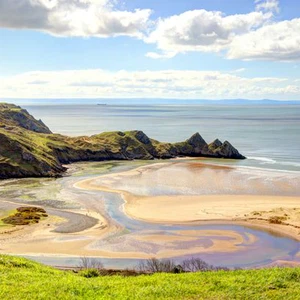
[{"x": 252, "y": 209}]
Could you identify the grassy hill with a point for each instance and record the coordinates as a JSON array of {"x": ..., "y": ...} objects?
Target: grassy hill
[{"x": 24, "y": 279}]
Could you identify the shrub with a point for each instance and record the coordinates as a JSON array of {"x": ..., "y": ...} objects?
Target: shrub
[
  {"x": 277, "y": 219},
  {"x": 195, "y": 265},
  {"x": 198, "y": 265},
  {"x": 89, "y": 273},
  {"x": 154, "y": 265}
]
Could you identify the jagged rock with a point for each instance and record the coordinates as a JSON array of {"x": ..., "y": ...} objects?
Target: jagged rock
[
  {"x": 196, "y": 141},
  {"x": 215, "y": 144},
  {"x": 16, "y": 116},
  {"x": 120, "y": 133},
  {"x": 228, "y": 151},
  {"x": 142, "y": 137}
]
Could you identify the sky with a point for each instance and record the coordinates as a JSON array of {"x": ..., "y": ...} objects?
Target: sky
[{"x": 174, "y": 49}]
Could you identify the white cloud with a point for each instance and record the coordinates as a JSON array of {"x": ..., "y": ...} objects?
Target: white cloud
[
  {"x": 278, "y": 41},
  {"x": 73, "y": 17},
  {"x": 252, "y": 36},
  {"x": 201, "y": 30},
  {"x": 156, "y": 55},
  {"x": 146, "y": 84},
  {"x": 267, "y": 5},
  {"x": 246, "y": 36},
  {"x": 239, "y": 70}
]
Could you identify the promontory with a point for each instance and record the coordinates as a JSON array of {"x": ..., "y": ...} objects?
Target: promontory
[{"x": 29, "y": 149}]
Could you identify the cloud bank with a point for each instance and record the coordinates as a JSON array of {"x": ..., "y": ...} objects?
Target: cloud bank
[
  {"x": 146, "y": 84},
  {"x": 278, "y": 42},
  {"x": 79, "y": 18}
]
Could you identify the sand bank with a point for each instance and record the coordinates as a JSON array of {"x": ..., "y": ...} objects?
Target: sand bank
[{"x": 253, "y": 210}]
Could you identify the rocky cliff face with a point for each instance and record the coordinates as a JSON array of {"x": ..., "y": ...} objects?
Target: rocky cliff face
[
  {"x": 28, "y": 149},
  {"x": 12, "y": 115},
  {"x": 20, "y": 158}
]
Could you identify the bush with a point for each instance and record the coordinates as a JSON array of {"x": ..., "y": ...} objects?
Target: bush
[
  {"x": 277, "y": 220},
  {"x": 195, "y": 265},
  {"x": 154, "y": 265},
  {"x": 89, "y": 273}
]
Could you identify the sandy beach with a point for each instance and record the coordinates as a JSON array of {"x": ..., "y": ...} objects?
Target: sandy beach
[{"x": 252, "y": 209}]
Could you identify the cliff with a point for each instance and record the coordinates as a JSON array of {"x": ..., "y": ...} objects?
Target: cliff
[
  {"x": 12, "y": 115},
  {"x": 29, "y": 149}
]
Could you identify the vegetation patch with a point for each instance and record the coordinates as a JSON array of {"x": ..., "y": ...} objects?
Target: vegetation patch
[
  {"x": 24, "y": 279},
  {"x": 25, "y": 216},
  {"x": 277, "y": 219}
]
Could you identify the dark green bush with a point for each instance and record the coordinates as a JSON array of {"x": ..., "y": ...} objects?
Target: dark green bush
[{"x": 89, "y": 273}]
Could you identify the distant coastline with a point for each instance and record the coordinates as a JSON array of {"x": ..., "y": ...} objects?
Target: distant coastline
[{"x": 147, "y": 101}]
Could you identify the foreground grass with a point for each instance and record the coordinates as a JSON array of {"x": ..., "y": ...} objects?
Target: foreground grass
[{"x": 24, "y": 279}]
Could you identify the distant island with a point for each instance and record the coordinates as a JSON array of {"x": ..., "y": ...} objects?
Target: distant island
[{"x": 28, "y": 148}]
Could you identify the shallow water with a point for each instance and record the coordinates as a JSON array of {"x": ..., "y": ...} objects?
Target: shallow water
[
  {"x": 196, "y": 177},
  {"x": 268, "y": 247}
]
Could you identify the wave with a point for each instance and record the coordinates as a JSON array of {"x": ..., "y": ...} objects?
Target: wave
[
  {"x": 269, "y": 171},
  {"x": 263, "y": 159}
]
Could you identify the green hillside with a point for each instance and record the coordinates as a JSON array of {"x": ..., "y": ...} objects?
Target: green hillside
[{"x": 24, "y": 279}]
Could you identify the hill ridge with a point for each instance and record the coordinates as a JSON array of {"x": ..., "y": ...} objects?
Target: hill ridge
[{"x": 29, "y": 149}]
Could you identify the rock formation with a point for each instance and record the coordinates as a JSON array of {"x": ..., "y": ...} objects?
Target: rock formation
[{"x": 12, "y": 115}]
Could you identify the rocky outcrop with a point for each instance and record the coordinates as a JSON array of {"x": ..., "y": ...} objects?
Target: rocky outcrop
[
  {"x": 221, "y": 150},
  {"x": 228, "y": 151},
  {"x": 28, "y": 149},
  {"x": 215, "y": 145},
  {"x": 196, "y": 141},
  {"x": 16, "y": 116},
  {"x": 141, "y": 137},
  {"x": 196, "y": 146}
]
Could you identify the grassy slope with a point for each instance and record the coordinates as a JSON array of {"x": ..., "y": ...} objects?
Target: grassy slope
[
  {"x": 23, "y": 279},
  {"x": 40, "y": 146}
]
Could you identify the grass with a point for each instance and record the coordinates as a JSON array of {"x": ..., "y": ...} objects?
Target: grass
[{"x": 23, "y": 279}]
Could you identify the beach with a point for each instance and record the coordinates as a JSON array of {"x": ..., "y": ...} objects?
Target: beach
[
  {"x": 247, "y": 209},
  {"x": 163, "y": 209}
]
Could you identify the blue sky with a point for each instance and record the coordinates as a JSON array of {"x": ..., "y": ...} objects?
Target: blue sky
[{"x": 194, "y": 49}]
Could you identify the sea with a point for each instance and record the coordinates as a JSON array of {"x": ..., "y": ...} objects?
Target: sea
[{"x": 268, "y": 135}]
